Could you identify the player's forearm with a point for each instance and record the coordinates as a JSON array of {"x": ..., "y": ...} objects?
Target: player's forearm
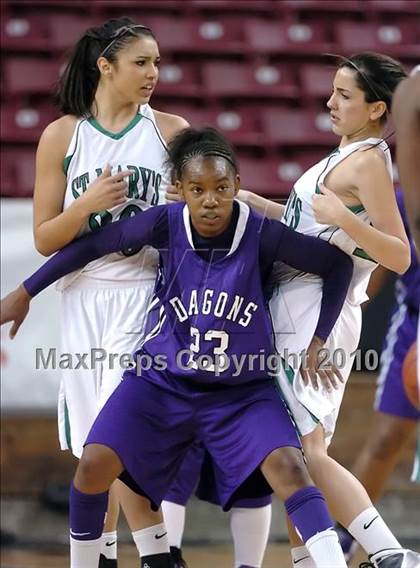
[
  {"x": 389, "y": 251},
  {"x": 406, "y": 115},
  {"x": 264, "y": 206},
  {"x": 334, "y": 292},
  {"x": 54, "y": 234},
  {"x": 123, "y": 234},
  {"x": 70, "y": 258},
  {"x": 408, "y": 158}
]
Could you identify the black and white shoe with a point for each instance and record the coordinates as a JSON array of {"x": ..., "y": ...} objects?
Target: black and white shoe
[
  {"x": 400, "y": 559},
  {"x": 105, "y": 562},
  {"x": 176, "y": 556}
]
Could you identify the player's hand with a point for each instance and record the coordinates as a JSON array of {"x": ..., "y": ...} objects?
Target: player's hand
[
  {"x": 317, "y": 369},
  {"x": 14, "y": 307},
  {"x": 106, "y": 191},
  {"x": 327, "y": 207},
  {"x": 172, "y": 195}
]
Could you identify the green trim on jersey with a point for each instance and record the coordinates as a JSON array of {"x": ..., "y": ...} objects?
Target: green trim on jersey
[
  {"x": 67, "y": 426},
  {"x": 290, "y": 374},
  {"x": 288, "y": 371},
  {"x": 116, "y": 135},
  {"x": 66, "y": 163},
  {"x": 362, "y": 254},
  {"x": 67, "y": 159},
  {"x": 355, "y": 208},
  {"x": 333, "y": 153}
]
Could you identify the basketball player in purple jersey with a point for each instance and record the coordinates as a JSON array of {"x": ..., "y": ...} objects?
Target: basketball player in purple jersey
[
  {"x": 406, "y": 109},
  {"x": 395, "y": 418},
  {"x": 203, "y": 371},
  {"x": 406, "y": 113}
]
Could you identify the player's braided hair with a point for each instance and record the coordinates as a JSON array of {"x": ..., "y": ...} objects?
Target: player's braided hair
[
  {"x": 191, "y": 143},
  {"x": 377, "y": 75},
  {"x": 76, "y": 87}
]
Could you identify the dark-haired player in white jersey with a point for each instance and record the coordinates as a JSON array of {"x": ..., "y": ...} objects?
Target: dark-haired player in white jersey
[
  {"x": 100, "y": 162},
  {"x": 348, "y": 199}
]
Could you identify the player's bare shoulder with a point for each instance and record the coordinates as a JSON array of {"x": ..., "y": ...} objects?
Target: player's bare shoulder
[
  {"x": 169, "y": 124},
  {"x": 368, "y": 159},
  {"x": 57, "y": 135}
]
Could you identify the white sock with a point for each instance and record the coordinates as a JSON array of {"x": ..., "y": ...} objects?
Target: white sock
[
  {"x": 371, "y": 532},
  {"x": 174, "y": 517},
  {"x": 109, "y": 544},
  {"x": 152, "y": 540},
  {"x": 325, "y": 550},
  {"x": 250, "y": 529},
  {"x": 84, "y": 553},
  {"x": 301, "y": 555}
]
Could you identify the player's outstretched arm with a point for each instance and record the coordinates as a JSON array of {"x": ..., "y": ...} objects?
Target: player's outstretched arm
[
  {"x": 133, "y": 232},
  {"x": 264, "y": 206},
  {"x": 14, "y": 307}
]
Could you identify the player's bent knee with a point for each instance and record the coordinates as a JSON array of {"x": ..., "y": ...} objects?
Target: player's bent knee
[
  {"x": 99, "y": 466},
  {"x": 285, "y": 466}
]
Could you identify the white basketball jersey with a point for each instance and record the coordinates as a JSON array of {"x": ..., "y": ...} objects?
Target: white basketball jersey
[
  {"x": 299, "y": 215},
  {"x": 139, "y": 147},
  {"x": 296, "y": 303}
]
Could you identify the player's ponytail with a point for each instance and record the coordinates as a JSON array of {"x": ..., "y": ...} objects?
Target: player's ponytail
[
  {"x": 77, "y": 85},
  {"x": 191, "y": 143}
]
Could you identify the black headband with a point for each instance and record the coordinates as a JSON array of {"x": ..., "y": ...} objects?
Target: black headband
[{"x": 358, "y": 70}]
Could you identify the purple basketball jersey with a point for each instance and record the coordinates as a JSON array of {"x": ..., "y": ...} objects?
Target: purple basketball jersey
[{"x": 206, "y": 318}]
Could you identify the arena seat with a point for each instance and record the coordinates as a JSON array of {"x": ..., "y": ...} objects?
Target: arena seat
[
  {"x": 395, "y": 39},
  {"x": 24, "y": 123},
  {"x": 26, "y": 75},
  {"x": 244, "y": 6},
  {"x": 200, "y": 35},
  {"x": 219, "y": 35},
  {"x": 144, "y": 5},
  {"x": 295, "y": 6},
  {"x": 259, "y": 175},
  {"x": 273, "y": 176},
  {"x": 240, "y": 125},
  {"x": 24, "y": 33},
  {"x": 316, "y": 80},
  {"x": 223, "y": 79},
  {"x": 65, "y": 30},
  {"x": 294, "y": 164},
  {"x": 179, "y": 80},
  {"x": 17, "y": 172},
  {"x": 175, "y": 34},
  {"x": 286, "y": 127},
  {"x": 397, "y": 7},
  {"x": 196, "y": 116},
  {"x": 265, "y": 36}
]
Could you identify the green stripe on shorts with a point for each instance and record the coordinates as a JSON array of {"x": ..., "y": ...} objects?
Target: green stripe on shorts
[{"x": 67, "y": 426}]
